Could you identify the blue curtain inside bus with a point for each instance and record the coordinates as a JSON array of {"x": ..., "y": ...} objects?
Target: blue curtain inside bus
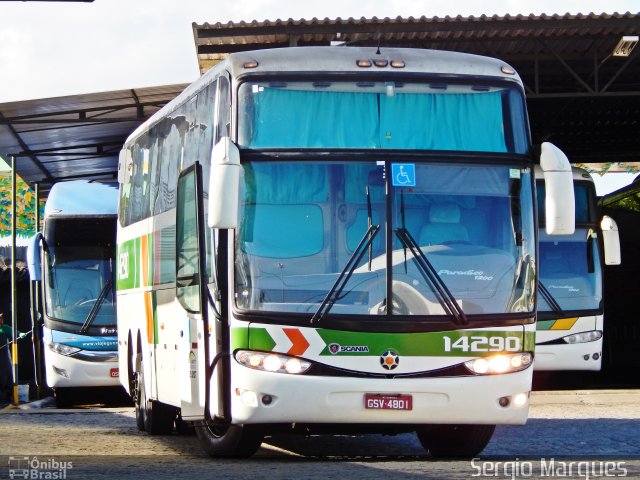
[
  {"x": 442, "y": 122},
  {"x": 282, "y": 218},
  {"x": 294, "y": 118},
  {"x": 318, "y": 119}
]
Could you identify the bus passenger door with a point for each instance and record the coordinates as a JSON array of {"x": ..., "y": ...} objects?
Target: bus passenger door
[{"x": 191, "y": 293}]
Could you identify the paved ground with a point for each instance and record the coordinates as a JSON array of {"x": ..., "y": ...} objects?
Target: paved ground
[{"x": 569, "y": 435}]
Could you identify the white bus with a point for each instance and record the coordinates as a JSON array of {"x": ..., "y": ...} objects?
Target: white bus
[
  {"x": 73, "y": 258},
  {"x": 570, "y": 301},
  {"x": 336, "y": 239}
]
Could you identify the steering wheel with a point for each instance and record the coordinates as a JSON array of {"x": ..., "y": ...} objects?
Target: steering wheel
[{"x": 84, "y": 302}]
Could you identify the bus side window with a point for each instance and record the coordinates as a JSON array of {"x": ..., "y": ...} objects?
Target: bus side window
[
  {"x": 223, "y": 116},
  {"x": 174, "y": 129}
]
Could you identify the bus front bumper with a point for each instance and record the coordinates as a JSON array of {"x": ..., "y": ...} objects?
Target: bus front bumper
[
  {"x": 263, "y": 397},
  {"x": 65, "y": 371},
  {"x": 577, "y": 356}
]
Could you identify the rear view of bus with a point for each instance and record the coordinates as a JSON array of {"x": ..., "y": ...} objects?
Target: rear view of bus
[
  {"x": 75, "y": 254},
  {"x": 355, "y": 249},
  {"x": 570, "y": 304}
]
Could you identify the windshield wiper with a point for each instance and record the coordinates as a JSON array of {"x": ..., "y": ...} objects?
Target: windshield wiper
[
  {"x": 96, "y": 306},
  {"x": 337, "y": 287},
  {"x": 437, "y": 285},
  {"x": 546, "y": 294}
]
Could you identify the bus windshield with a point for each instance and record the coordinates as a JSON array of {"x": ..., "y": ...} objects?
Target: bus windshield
[
  {"x": 301, "y": 222},
  {"x": 78, "y": 277},
  {"x": 571, "y": 271},
  {"x": 382, "y": 115},
  {"x": 570, "y": 265},
  {"x": 79, "y": 271}
]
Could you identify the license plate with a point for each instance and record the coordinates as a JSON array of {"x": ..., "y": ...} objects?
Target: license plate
[{"x": 378, "y": 401}]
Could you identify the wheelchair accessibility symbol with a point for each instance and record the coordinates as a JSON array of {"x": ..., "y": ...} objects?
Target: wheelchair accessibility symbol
[{"x": 403, "y": 174}]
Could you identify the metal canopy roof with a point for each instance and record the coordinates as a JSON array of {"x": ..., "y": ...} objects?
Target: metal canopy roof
[
  {"x": 77, "y": 136},
  {"x": 579, "y": 96}
]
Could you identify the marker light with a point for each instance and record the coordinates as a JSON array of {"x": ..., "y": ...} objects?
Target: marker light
[
  {"x": 583, "y": 337},
  {"x": 249, "y": 398},
  {"x": 272, "y": 362},
  {"x": 380, "y": 62},
  {"x": 508, "y": 70},
  {"x": 520, "y": 400},
  {"x": 397, "y": 64},
  {"x": 251, "y": 64},
  {"x": 364, "y": 63},
  {"x": 498, "y": 364}
]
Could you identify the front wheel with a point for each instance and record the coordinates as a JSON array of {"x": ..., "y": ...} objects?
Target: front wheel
[
  {"x": 229, "y": 440},
  {"x": 455, "y": 441}
]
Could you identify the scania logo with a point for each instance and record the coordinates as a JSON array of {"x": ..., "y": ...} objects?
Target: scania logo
[
  {"x": 335, "y": 348},
  {"x": 389, "y": 360}
]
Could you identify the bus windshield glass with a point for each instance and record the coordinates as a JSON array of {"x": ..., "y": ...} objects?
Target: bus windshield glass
[
  {"x": 571, "y": 271},
  {"x": 570, "y": 265},
  {"x": 79, "y": 269},
  {"x": 302, "y": 222},
  {"x": 382, "y": 115}
]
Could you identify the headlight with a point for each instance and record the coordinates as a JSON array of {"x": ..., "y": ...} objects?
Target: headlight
[
  {"x": 62, "y": 349},
  {"x": 272, "y": 362},
  {"x": 497, "y": 364},
  {"x": 584, "y": 337}
]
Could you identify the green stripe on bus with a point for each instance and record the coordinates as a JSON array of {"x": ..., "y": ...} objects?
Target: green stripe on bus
[{"x": 451, "y": 343}]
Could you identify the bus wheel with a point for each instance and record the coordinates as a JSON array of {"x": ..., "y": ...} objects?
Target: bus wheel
[
  {"x": 229, "y": 440},
  {"x": 138, "y": 394},
  {"x": 455, "y": 441},
  {"x": 151, "y": 416}
]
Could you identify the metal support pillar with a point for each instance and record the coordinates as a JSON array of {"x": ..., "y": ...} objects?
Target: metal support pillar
[{"x": 14, "y": 303}]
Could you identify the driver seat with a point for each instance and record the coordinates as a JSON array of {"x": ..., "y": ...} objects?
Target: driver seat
[
  {"x": 77, "y": 291},
  {"x": 444, "y": 225}
]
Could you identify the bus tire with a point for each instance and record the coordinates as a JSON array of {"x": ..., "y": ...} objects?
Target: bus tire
[
  {"x": 64, "y": 398},
  {"x": 152, "y": 416},
  {"x": 137, "y": 393},
  {"x": 159, "y": 418},
  {"x": 455, "y": 441},
  {"x": 239, "y": 441}
]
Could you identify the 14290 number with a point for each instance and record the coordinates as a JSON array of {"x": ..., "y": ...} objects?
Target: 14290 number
[{"x": 482, "y": 344}]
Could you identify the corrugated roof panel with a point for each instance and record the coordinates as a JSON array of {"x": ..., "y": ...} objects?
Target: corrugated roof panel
[{"x": 78, "y": 135}]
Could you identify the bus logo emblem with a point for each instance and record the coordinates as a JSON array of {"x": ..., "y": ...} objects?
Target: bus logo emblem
[
  {"x": 334, "y": 348},
  {"x": 389, "y": 360},
  {"x": 123, "y": 264}
]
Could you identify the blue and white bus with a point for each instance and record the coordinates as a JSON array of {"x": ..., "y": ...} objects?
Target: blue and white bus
[
  {"x": 570, "y": 289},
  {"x": 73, "y": 258},
  {"x": 335, "y": 239}
]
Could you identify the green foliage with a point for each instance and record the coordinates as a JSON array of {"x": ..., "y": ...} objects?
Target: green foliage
[{"x": 25, "y": 207}]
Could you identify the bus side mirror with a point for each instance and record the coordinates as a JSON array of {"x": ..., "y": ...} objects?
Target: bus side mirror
[
  {"x": 33, "y": 258},
  {"x": 123, "y": 163},
  {"x": 559, "y": 199},
  {"x": 611, "y": 241},
  {"x": 224, "y": 185}
]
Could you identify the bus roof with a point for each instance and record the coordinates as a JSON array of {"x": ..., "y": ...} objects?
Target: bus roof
[
  {"x": 343, "y": 59},
  {"x": 82, "y": 197}
]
